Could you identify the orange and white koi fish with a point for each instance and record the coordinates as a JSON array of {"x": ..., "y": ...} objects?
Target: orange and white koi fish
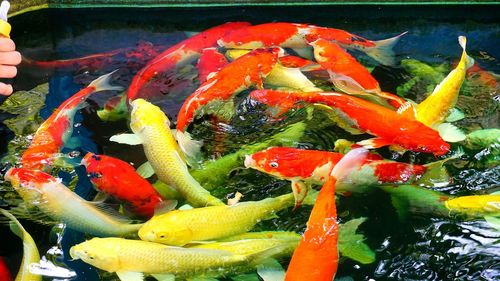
[
  {"x": 317, "y": 253},
  {"x": 120, "y": 180},
  {"x": 178, "y": 55},
  {"x": 389, "y": 127},
  {"x": 56, "y": 130},
  {"x": 305, "y": 167},
  {"x": 240, "y": 74},
  {"x": 292, "y": 35},
  {"x": 347, "y": 74},
  {"x": 209, "y": 63}
]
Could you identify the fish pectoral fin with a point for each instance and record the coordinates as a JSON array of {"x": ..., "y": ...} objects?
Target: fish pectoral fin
[
  {"x": 346, "y": 84},
  {"x": 130, "y": 139},
  {"x": 165, "y": 207},
  {"x": 99, "y": 198},
  {"x": 271, "y": 270},
  {"x": 164, "y": 277},
  {"x": 145, "y": 170},
  {"x": 305, "y": 52},
  {"x": 455, "y": 115},
  {"x": 186, "y": 207},
  {"x": 374, "y": 143},
  {"x": 450, "y": 133},
  {"x": 300, "y": 190},
  {"x": 130, "y": 276}
]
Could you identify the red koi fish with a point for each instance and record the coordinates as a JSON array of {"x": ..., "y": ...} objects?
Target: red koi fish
[
  {"x": 389, "y": 127},
  {"x": 242, "y": 73},
  {"x": 292, "y": 35},
  {"x": 56, "y": 130},
  {"x": 178, "y": 55},
  {"x": 317, "y": 253},
  {"x": 305, "y": 167},
  {"x": 209, "y": 63},
  {"x": 347, "y": 74},
  {"x": 298, "y": 62},
  {"x": 120, "y": 180}
]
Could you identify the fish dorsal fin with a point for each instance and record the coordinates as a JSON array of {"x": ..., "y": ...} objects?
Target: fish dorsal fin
[
  {"x": 407, "y": 110},
  {"x": 165, "y": 207},
  {"x": 450, "y": 133},
  {"x": 130, "y": 139},
  {"x": 374, "y": 143},
  {"x": 271, "y": 270},
  {"x": 164, "y": 277},
  {"x": 145, "y": 170},
  {"x": 349, "y": 162},
  {"x": 130, "y": 276}
]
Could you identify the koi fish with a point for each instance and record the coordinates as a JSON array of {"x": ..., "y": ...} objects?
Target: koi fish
[
  {"x": 475, "y": 204},
  {"x": 131, "y": 259},
  {"x": 348, "y": 75},
  {"x": 209, "y": 63},
  {"x": 305, "y": 167},
  {"x": 251, "y": 246},
  {"x": 4, "y": 271},
  {"x": 292, "y": 35},
  {"x": 388, "y": 126},
  {"x": 437, "y": 106},
  {"x": 151, "y": 128},
  {"x": 119, "y": 179},
  {"x": 180, "y": 54},
  {"x": 180, "y": 227},
  {"x": 30, "y": 250},
  {"x": 317, "y": 252},
  {"x": 235, "y": 77},
  {"x": 57, "y": 129},
  {"x": 60, "y": 203}
]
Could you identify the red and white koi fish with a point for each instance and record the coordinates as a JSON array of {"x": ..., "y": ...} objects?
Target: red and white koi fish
[
  {"x": 178, "y": 55},
  {"x": 57, "y": 129},
  {"x": 317, "y": 253},
  {"x": 240, "y": 74},
  {"x": 347, "y": 74},
  {"x": 305, "y": 167},
  {"x": 389, "y": 127},
  {"x": 209, "y": 63},
  {"x": 120, "y": 180},
  {"x": 292, "y": 35}
]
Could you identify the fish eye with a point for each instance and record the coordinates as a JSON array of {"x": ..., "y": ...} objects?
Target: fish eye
[{"x": 274, "y": 164}]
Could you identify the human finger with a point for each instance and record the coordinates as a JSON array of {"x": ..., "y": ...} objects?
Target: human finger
[
  {"x": 7, "y": 45},
  {"x": 10, "y": 58},
  {"x": 5, "y": 89},
  {"x": 8, "y": 71}
]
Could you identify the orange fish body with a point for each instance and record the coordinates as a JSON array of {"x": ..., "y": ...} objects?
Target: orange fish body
[
  {"x": 184, "y": 52},
  {"x": 120, "y": 180},
  {"x": 209, "y": 63},
  {"x": 387, "y": 125}
]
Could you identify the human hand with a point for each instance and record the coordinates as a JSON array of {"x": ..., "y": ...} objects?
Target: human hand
[{"x": 9, "y": 58}]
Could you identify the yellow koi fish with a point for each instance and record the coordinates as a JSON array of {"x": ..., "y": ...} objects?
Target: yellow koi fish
[
  {"x": 475, "y": 204},
  {"x": 152, "y": 129}
]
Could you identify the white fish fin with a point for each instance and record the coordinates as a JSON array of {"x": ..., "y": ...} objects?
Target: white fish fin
[
  {"x": 99, "y": 198},
  {"x": 109, "y": 211},
  {"x": 271, "y": 270},
  {"x": 185, "y": 207},
  {"x": 382, "y": 52},
  {"x": 346, "y": 84},
  {"x": 493, "y": 221},
  {"x": 374, "y": 143},
  {"x": 103, "y": 83},
  {"x": 407, "y": 110},
  {"x": 455, "y": 115},
  {"x": 145, "y": 170},
  {"x": 164, "y": 277},
  {"x": 349, "y": 162},
  {"x": 130, "y": 276},
  {"x": 469, "y": 62},
  {"x": 306, "y": 52},
  {"x": 236, "y": 198},
  {"x": 450, "y": 133},
  {"x": 292, "y": 78},
  {"x": 300, "y": 190},
  {"x": 130, "y": 139},
  {"x": 191, "y": 148},
  {"x": 165, "y": 207}
]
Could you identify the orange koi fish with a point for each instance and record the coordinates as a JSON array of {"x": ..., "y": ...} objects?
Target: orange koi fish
[
  {"x": 178, "y": 55},
  {"x": 120, "y": 180},
  {"x": 305, "y": 167},
  {"x": 387, "y": 125},
  {"x": 240, "y": 74},
  {"x": 209, "y": 63},
  {"x": 346, "y": 73},
  {"x": 56, "y": 130},
  {"x": 317, "y": 253},
  {"x": 292, "y": 35}
]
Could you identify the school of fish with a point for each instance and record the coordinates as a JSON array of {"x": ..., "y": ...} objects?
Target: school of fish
[{"x": 175, "y": 228}]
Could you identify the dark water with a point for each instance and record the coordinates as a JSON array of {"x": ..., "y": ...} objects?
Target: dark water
[{"x": 419, "y": 248}]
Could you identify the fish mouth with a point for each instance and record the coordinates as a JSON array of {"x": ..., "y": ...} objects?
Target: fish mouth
[
  {"x": 74, "y": 253},
  {"x": 249, "y": 161}
]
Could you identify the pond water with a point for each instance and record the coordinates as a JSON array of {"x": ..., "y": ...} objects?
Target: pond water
[{"x": 423, "y": 246}]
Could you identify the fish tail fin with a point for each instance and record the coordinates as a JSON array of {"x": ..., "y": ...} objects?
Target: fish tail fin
[
  {"x": 103, "y": 83},
  {"x": 382, "y": 52},
  {"x": 469, "y": 62},
  {"x": 190, "y": 147},
  {"x": 352, "y": 160}
]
